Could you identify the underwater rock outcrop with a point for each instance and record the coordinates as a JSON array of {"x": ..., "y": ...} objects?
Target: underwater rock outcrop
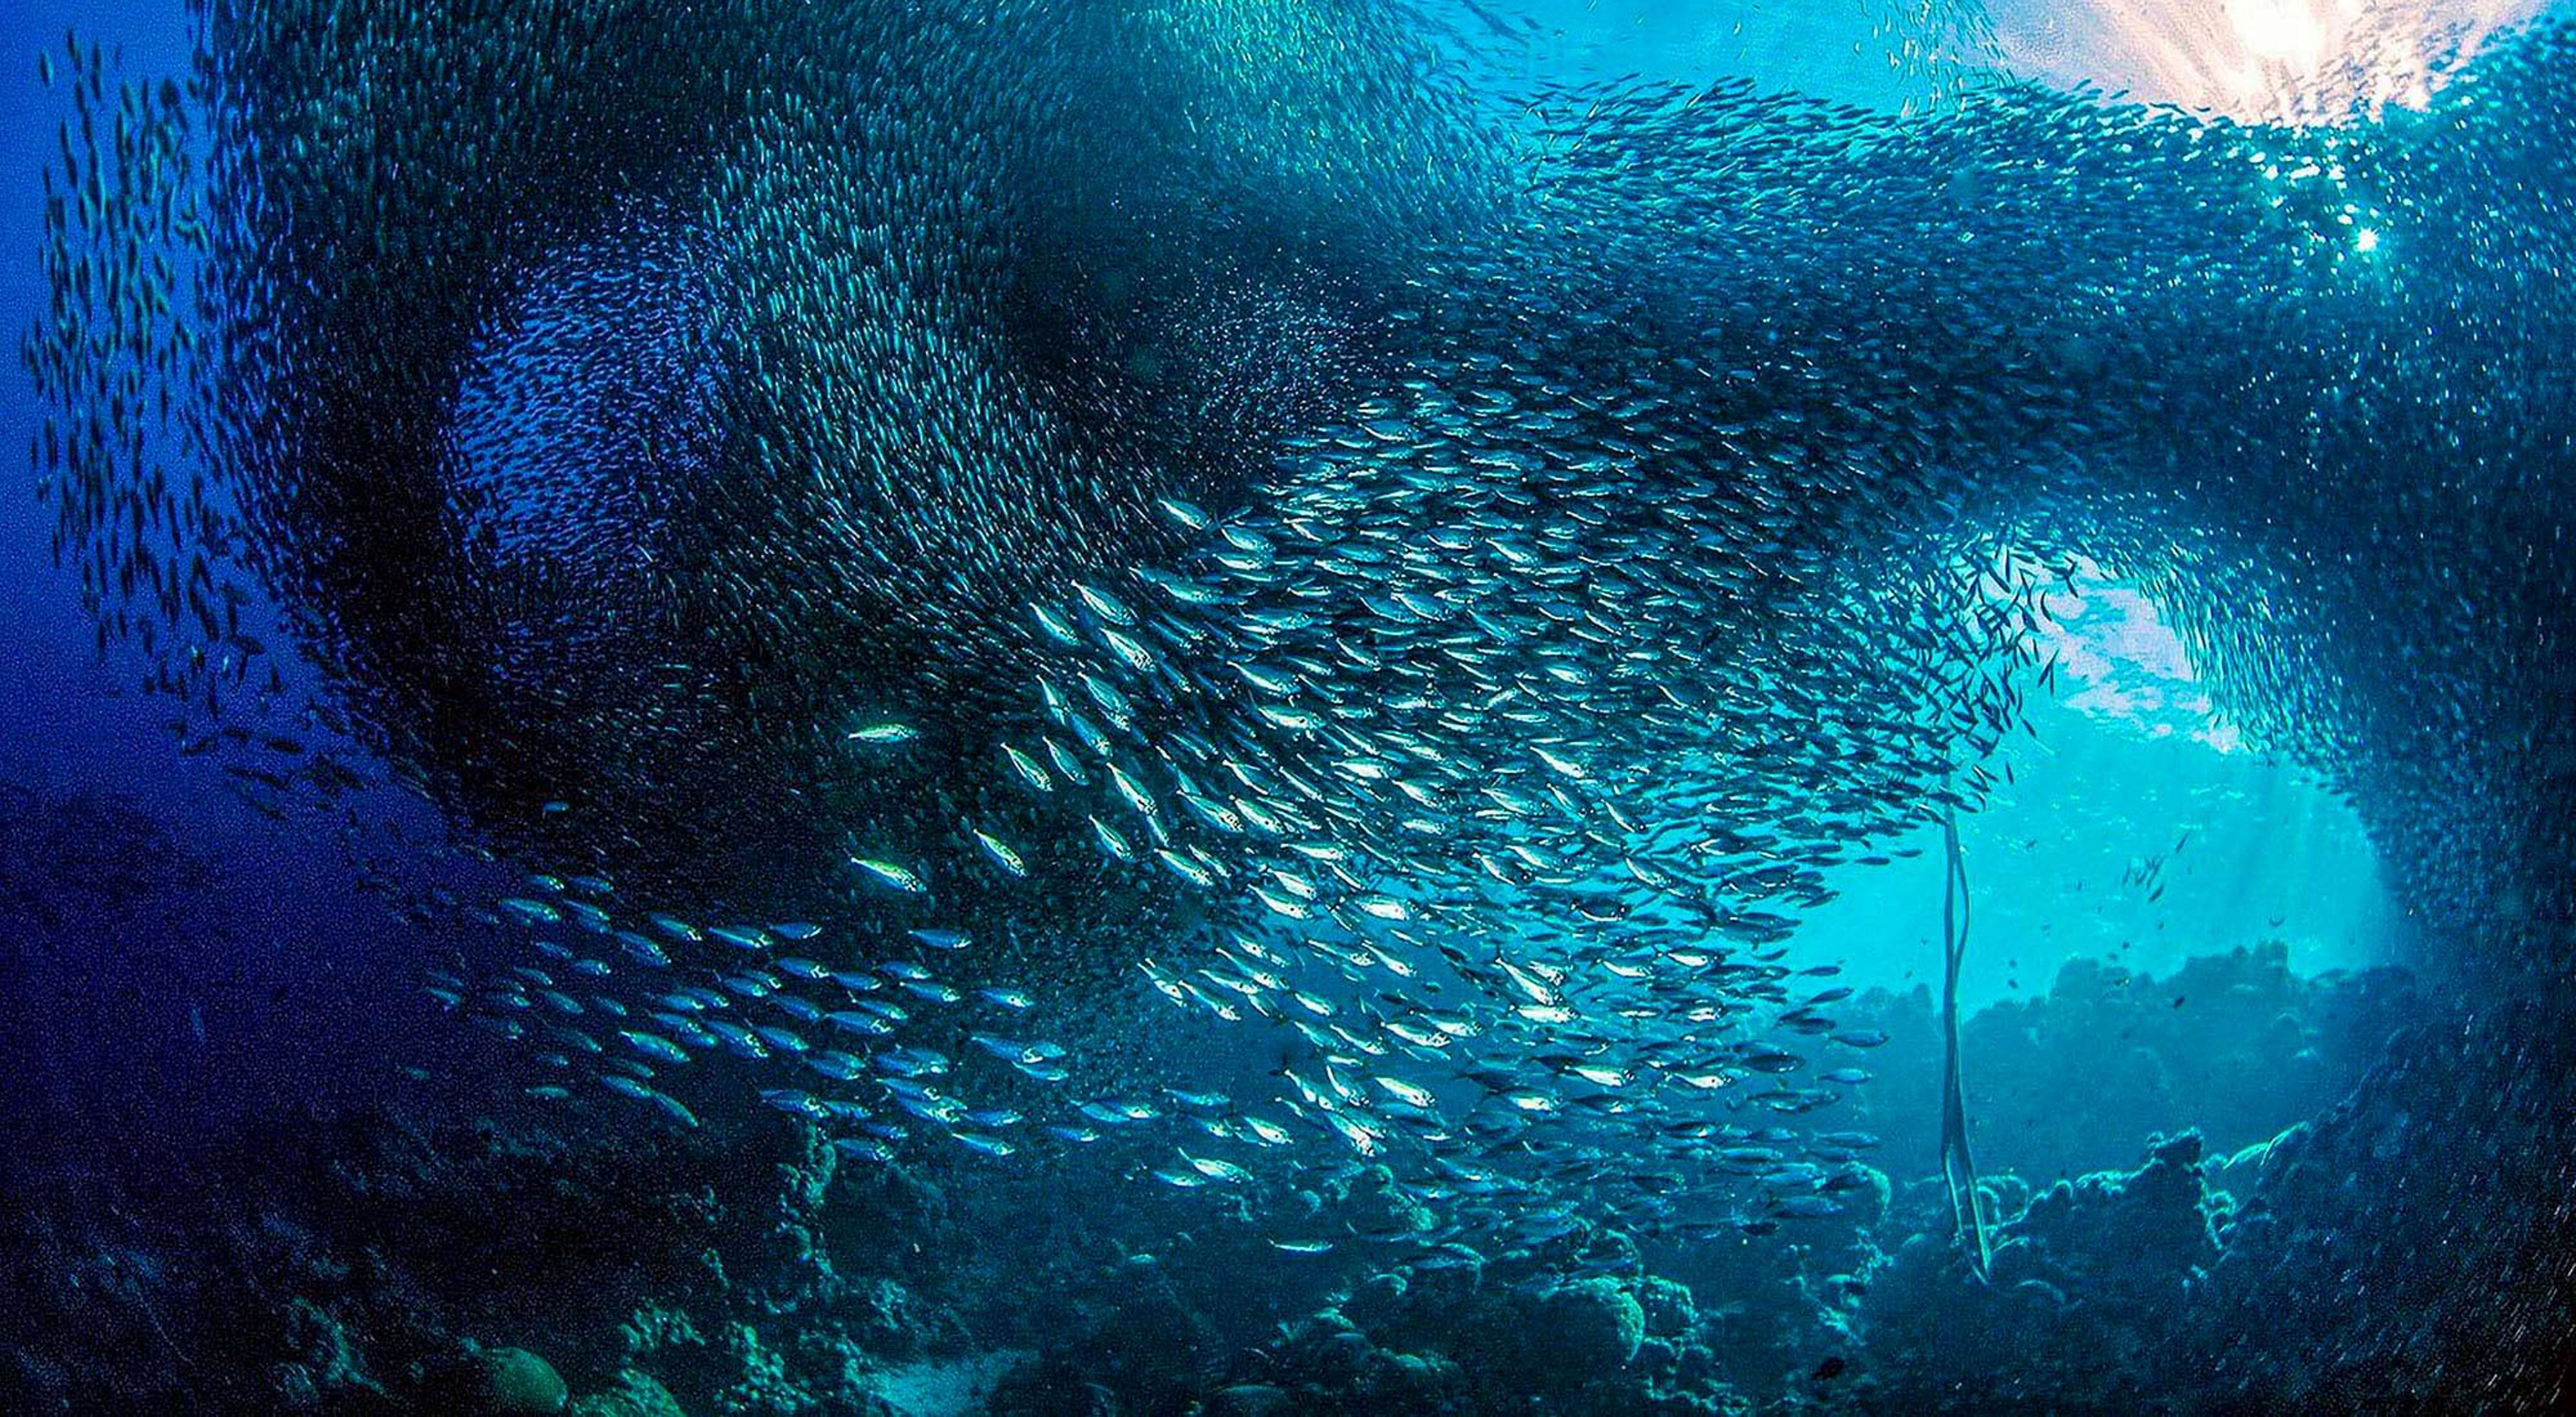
[
  {"x": 2333, "y": 1279},
  {"x": 496, "y": 1382},
  {"x": 370, "y": 1265},
  {"x": 631, "y": 1394},
  {"x": 344, "y": 1266},
  {"x": 2091, "y": 1286},
  {"x": 2236, "y": 1046},
  {"x": 1449, "y": 1331},
  {"x": 2445, "y": 1173}
]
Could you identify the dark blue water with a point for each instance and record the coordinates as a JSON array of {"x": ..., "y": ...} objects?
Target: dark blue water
[{"x": 240, "y": 968}]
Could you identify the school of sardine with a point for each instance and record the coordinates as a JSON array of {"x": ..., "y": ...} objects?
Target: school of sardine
[{"x": 906, "y": 527}]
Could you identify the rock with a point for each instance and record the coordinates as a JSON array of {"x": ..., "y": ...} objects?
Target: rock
[
  {"x": 1446, "y": 1277},
  {"x": 328, "y": 1368},
  {"x": 1050, "y": 1387},
  {"x": 635, "y": 1395},
  {"x": 1411, "y": 1381},
  {"x": 1377, "y": 1301},
  {"x": 499, "y": 1382},
  {"x": 1590, "y": 1326},
  {"x": 1249, "y": 1400},
  {"x": 878, "y": 1314},
  {"x": 1331, "y": 1354},
  {"x": 1370, "y": 1200},
  {"x": 1670, "y": 1312}
]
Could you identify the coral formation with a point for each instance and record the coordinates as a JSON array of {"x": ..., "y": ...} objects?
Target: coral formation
[{"x": 377, "y": 1264}]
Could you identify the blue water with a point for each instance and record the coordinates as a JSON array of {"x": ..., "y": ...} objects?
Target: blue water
[
  {"x": 2138, "y": 830},
  {"x": 2133, "y": 829},
  {"x": 2102, "y": 787}
]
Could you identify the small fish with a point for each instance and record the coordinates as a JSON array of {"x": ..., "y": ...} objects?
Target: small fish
[
  {"x": 890, "y": 875},
  {"x": 531, "y": 912},
  {"x": 670, "y": 1107},
  {"x": 1001, "y": 853},
  {"x": 625, "y": 1086},
  {"x": 862, "y": 1024},
  {"x": 835, "y": 1064},
  {"x": 1410, "y": 1094},
  {"x": 653, "y": 1045},
  {"x": 883, "y": 734},
  {"x": 1130, "y": 653},
  {"x": 1057, "y": 628},
  {"x": 868, "y": 1149},
  {"x": 644, "y": 949},
  {"x": 781, "y": 1039},
  {"x": 1217, "y": 1170},
  {"x": 1110, "y": 842},
  {"x": 1031, "y": 771},
  {"x": 1101, "y": 603}
]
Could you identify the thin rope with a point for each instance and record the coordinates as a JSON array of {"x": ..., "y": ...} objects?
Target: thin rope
[{"x": 1958, "y": 1168}]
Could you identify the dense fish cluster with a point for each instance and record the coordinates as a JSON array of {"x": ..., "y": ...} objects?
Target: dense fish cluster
[{"x": 909, "y": 528}]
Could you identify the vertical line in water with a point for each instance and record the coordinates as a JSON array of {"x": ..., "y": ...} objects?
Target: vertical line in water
[{"x": 1958, "y": 1169}]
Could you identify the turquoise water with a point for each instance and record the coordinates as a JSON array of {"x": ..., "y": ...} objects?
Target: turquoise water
[{"x": 2138, "y": 830}]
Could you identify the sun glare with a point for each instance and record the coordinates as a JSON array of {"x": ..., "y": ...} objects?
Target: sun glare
[{"x": 2299, "y": 61}]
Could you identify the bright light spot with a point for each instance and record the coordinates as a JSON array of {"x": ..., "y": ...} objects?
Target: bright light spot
[
  {"x": 2117, "y": 659},
  {"x": 2298, "y": 61},
  {"x": 2365, "y": 240},
  {"x": 2279, "y": 31}
]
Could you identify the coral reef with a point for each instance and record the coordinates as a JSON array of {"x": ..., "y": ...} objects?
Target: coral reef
[
  {"x": 1449, "y": 1332},
  {"x": 2085, "y": 1293},
  {"x": 2404, "y": 1251},
  {"x": 2385, "y": 1250},
  {"x": 2235, "y": 1046},
  {"x": 363, "y": 1265}
]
